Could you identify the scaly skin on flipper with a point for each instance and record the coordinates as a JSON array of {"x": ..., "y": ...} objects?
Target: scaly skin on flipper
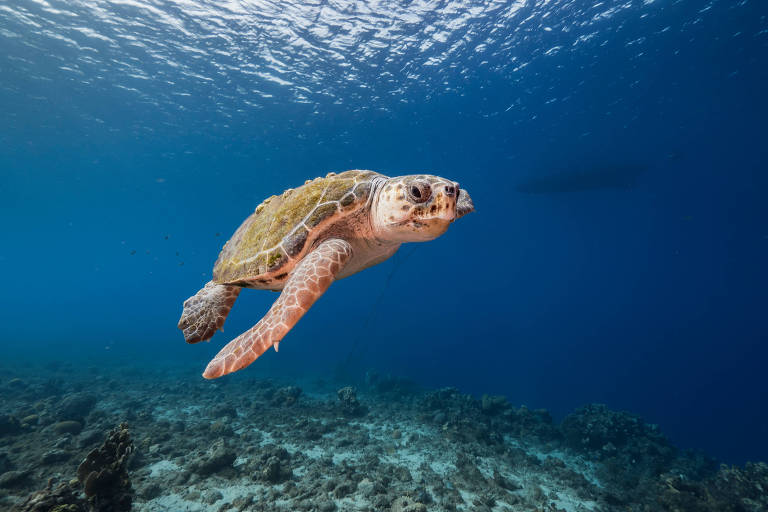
[
  {"x": 309, "y": 280},
  {"x": 206, "y": 311}
]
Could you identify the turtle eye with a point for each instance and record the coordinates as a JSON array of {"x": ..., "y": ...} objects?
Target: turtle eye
[{"x": 419, "y": 191}]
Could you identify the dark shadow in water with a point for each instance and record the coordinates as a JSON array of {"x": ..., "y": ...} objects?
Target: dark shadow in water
[{"x": 582, "y": 179}]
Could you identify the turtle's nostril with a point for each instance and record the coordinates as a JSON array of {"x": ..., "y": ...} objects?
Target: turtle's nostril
[{"x": 450, "y": 190}]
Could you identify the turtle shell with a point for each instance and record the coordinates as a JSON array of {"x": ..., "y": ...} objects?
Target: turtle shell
[{"x": 282, "y": 228}]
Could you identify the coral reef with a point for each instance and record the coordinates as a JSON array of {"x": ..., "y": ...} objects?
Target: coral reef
[
  {"x": 286, "y": 396},
  {"x": 217, "y": 458},
  {"x": 104, "y": 476},
  {"x": 730, "y": 490},
  {"x": 254, "y": 445},
  {"x": 272, "y": 465},
  {"x": 350, "y": 405},
  {"x": 63, "y": 498}
]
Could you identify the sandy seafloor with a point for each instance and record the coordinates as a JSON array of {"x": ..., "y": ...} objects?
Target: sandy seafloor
[{"x": 383, "y": 444}]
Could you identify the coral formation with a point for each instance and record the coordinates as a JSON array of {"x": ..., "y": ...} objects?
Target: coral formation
[
  {"x": 217, "y": 458},
  {"x": 732, "y": 489},
  {"x": 286, "y": 396},
  {"x": 103, "y": 473},
  {"x": 350, "y": 405},
  {"x": 253, "y": 445},
  {"x": 65, "y": 497},
  {"x": 272, "y": 465}
]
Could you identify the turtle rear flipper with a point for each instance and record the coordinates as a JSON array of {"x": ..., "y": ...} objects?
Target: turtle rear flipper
[{"x": 206, "y": 311}]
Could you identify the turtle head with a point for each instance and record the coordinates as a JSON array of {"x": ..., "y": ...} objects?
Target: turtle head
[{"x": 418, "y": 208}]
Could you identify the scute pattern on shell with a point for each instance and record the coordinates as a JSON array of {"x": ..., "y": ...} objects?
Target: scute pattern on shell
[{"x": 280, "y": 227}]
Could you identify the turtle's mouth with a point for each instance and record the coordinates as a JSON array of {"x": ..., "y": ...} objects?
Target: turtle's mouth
[{"x": 464, "y": 204}]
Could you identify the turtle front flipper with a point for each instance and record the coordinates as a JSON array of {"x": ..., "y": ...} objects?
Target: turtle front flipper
[
  {"x": 206, "y": 311},
  {"x": 308, "y": 281}
]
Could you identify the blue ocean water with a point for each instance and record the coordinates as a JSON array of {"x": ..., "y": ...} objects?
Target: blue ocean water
[{"x": 615, "y": 152}]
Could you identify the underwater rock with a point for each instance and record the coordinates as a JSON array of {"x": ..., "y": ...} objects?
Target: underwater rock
[
  {"x": 273, "y": 471},
  {"x": 524, "y": 422},
  {"x": 406, "y": 504},
  {"x": 406, "y": 448},
  {"x": 442, "y": 399},
  {"x": 13, "y": 478},
  {"x": 343, "y": 490},
  {"x": 286, "y": 396},
  {"x": 349, "y": 404},
  {"x": 218, "y": 457},
  {"x": 30, "y": 420},
  {"x": 76, "y": 407},
  {"x": 67, "y": 427},
  {"x": 5, "y": 463},
  {"x": 272, "y": 465},
  {"x": 9, "y": 425},
  {"x": 493, "y": 405},
  {"x": 732, "y": 489},
  {"x": 468, "y": 472},
  {"x": 243, "y": 501},
  {"x": 224, "y": 411},
  {"x": 459, "y": 416},
  {"x": 63, "y": 498},
  {"x": 366, "y": 487},
  {"x": 104, "y": 475},
  {"x": 505, "y": 483},
  {"x": 632, "y": 453},
  {"x": 219, "y": 429},
  {"x": 52, "y": 456},
  {"x": 151, "y": 491},
  {"x": 89, "y": 437},
  {"x": 748, "y": 486},
  {"x": 16, "y": 384},
  {"x": 594, "y": 426},
  {"x": 311, "y": 430},
  {"x": 212, "y": 496},
  {"x": 51, "y": 387},
  {"x": 326, "y": 506}
]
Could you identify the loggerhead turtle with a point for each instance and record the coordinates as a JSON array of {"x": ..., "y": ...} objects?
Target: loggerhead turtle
[{"x": 304, "y": 239}]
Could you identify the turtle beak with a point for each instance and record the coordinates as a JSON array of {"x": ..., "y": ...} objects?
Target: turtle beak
[{"x": 464, "y": 204}]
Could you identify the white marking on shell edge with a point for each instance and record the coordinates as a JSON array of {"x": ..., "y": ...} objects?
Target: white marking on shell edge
[{"x": 276, "y": 346}]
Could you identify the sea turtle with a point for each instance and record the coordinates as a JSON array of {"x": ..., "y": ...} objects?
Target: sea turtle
[{"x": 304, "y": 239}]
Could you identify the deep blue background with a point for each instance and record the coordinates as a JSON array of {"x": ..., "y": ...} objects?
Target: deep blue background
[{"x": 651, "y": 299}]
